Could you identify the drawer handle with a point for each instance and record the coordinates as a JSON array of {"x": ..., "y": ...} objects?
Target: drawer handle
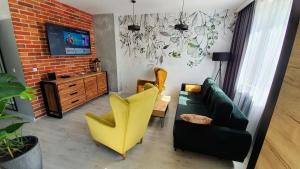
[
  {"x": 75, "y": 101},
  {"x": 73, "y": 93},
  {"x": 72, "y": 85}
]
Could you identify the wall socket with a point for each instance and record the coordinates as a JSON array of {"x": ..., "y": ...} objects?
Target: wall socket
[{"x": 34, "y": 69}]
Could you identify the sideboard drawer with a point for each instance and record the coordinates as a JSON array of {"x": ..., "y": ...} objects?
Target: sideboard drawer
[
  {"x": 69, "y": 94},
  {"x": 70, "y": 85},
  {"x": 71, "y": 103}
]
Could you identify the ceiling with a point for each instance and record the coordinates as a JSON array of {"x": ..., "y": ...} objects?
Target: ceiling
[{"x": 150, "y": 6}]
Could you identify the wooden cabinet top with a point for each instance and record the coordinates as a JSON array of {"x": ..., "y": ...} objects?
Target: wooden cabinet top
[{"x": 72, "y": 78}]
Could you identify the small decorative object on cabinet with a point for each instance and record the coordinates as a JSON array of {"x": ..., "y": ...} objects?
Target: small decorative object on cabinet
[
  {"x": 62, "y": 95},
  {"x": 96, "y": 65}
]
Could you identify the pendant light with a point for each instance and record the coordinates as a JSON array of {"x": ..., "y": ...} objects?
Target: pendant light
[
  {"x": 133, "y": 27},
  {"x": 181, "y": 26}
]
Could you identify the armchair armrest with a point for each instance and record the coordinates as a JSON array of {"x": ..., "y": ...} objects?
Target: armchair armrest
[
  {"x": 141, "y": 83},
  {"x": 193, "y": 88},
  {"x": 101, "y": 120}
]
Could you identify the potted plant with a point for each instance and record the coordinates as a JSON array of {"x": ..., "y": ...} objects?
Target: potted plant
[{"x": 16, "y": 151}]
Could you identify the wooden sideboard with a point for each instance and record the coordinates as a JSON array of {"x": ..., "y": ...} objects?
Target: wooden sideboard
[{"x": 64, "y": 94}]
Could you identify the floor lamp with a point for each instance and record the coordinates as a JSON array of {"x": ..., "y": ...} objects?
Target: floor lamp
[{"x": 221, "y": 57}]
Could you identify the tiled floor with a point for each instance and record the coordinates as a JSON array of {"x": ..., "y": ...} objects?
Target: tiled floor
[{"x": 66, "y": 144}]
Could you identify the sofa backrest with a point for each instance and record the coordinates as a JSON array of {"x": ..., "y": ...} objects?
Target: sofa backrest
[
  {"x": 223, "y": 110},
  {"x": 205, "y": 88},
  {"x": 237, "y": 120},
  {"x": 220, "y": 106}
]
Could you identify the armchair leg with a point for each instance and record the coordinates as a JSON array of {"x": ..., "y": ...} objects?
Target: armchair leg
[
  {"x": 123, "y": 156},
  {"x": 141, "y": 141},
  {"x": 97, "y": 143}
]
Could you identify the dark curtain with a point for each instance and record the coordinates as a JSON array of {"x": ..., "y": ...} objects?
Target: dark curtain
[{"x": 240, "y": 39}]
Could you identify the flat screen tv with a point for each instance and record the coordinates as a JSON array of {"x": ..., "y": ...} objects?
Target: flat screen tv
[{"x": 66, "y": 41}]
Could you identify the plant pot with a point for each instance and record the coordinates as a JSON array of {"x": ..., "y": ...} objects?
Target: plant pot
[{"x": 31, "y": 159}]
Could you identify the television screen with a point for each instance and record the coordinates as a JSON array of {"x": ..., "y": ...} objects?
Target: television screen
[{"x": 68, "y": 41}]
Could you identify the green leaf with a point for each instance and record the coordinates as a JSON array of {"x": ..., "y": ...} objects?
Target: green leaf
[
  {"x": 28, "y": 94},
  {"x": 166, "y": 46},
  {"x": 3, "y": 105},
  {"x": 8, "y": 116},
  {"x": 175, "y": 54},
  {"x": 174, "y": 39},
  {"x": 4, "y": 135},
  {"x": 10, "y": 129},
  {"x": 10, "y": 89},
  {"x": 4, "y": 77},
  {"x": 192, "y": 47}
]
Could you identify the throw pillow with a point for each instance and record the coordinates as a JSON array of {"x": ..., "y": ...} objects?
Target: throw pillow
[
  {"x": 196, "y": 119},
  {"x": 192, "y": 88}
]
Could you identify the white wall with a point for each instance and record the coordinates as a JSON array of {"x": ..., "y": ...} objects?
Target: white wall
[{"x": 134, "y": 64}]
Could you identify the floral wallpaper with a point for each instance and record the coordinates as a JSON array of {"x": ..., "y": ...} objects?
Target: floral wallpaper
[{"x": 158, "y": 39}]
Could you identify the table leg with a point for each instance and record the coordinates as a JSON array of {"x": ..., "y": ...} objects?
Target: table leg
[{"x": 162, "y": 121}]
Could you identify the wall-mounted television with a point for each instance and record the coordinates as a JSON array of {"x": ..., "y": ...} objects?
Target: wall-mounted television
[{"x": 66, "y": 41}]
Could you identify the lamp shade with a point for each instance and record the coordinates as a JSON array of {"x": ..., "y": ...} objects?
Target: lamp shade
[
  {"x": 221, "y": 56},
  {"x": 134, "y": 28}
]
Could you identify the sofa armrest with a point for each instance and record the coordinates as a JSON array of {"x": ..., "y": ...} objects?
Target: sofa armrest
[
  {"x": 215, "y": 140},
  {"x": 193, "y": 88}
]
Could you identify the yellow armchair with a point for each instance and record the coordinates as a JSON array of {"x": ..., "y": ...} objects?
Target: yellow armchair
[
  {"x": 125, "y": 126},
  {"x": 161, "y": 76}
]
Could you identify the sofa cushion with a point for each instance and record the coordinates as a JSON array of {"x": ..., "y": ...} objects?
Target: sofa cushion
[
  {"x": 206, "y": 87},
  {"x": 237, "y": 120},
  {"x": 222, "y": 108},
  {"x": 196, "y": 119},
  {"x": 210, "y": 101},
  {"x": 191, "y": 98},
  {"x": 185, "y": 108}
]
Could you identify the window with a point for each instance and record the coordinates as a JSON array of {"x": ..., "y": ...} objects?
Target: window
[{"x": 261, "y": 57}]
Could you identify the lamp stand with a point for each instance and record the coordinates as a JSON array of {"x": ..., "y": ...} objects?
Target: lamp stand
[{"x": 219, "y": 74}]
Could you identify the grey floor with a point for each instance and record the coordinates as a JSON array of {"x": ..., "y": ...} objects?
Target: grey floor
[{"x": 66, "y": 144}]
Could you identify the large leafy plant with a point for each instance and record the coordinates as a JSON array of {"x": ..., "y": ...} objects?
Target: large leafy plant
[{"x": 10, "y": 137}]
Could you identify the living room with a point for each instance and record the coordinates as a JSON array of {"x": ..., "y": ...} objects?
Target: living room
[{"x": 149, "y": 84}]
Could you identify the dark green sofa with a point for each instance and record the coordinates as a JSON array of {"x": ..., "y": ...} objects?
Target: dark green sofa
[{"x": 226, "y": 137}]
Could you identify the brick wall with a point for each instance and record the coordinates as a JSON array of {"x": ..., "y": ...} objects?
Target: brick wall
[{"x": 29, "y": 18}]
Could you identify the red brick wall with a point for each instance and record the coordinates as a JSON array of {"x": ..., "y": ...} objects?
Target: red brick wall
[{"x": 29, "y": 18}]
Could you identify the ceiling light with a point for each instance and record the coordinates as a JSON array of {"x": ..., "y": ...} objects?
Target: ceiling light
[
  {"x": 133, "y": 27},
  {"x": 181, "y": 26}
]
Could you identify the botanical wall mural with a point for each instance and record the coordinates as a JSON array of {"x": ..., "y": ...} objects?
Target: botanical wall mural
[{"x": 158, "y": 39}]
